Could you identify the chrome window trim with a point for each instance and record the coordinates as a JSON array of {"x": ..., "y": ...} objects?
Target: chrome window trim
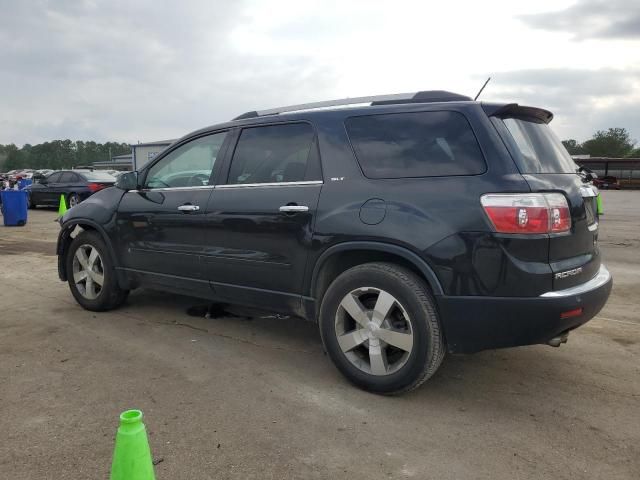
[
  {"x": 233, "y": 185},
  {"x": 274, "y": 184},
  {"x": 600, "y": 279},
  {"x": 172, "y": 189}
]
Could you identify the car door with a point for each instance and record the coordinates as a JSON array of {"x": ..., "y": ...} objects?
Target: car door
[
  {"x": 260, "y": 220},
  {"x": 72, "y": 183},
  {"x": 160, "y": 226},
  {"x": 46, "y": 195}
]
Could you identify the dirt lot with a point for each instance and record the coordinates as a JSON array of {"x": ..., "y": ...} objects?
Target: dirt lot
[{"x": 240, "y": 398}]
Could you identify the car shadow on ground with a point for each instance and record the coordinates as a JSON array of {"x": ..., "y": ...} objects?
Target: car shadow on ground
[{"x": 503, "y": 375}]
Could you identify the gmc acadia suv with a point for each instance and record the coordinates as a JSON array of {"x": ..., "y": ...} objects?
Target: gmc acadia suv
[{"x": 406, "y": 225}]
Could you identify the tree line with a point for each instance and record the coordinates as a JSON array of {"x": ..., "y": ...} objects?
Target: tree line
[
  {"x": 614, "y": 143},
  {"x": 58, "y": 154}
]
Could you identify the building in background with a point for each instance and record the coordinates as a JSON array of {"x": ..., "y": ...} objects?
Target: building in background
[
  {"x": 118, "y": 162},
  {"x": 143, "y": 153},
  {"x": 625, "y": 170}
]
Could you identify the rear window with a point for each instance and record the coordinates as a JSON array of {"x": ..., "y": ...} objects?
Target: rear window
[
  {"x": 99, "y": 177},
  {"x": 420, "y": 144},
  {"x": 538, "y": 150}
]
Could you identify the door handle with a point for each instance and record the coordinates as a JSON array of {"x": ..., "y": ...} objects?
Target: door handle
[
  {"x": 188, "y": 208},
  {"x": 294, "y": 208}
]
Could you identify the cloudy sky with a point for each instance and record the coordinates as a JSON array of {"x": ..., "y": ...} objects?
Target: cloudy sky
[{"x": 147, "y": 70}]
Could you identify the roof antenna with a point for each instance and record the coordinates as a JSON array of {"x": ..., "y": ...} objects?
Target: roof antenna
[{"x": 485, "y": 84}]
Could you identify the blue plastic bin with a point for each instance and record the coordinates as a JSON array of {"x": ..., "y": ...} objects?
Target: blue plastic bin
[{"x": 14, "y": 207}]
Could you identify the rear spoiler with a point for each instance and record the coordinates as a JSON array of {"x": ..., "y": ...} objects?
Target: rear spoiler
[{"x": 519, "y": 111}]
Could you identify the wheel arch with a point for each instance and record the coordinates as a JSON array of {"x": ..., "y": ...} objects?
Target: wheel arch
[
  {"x": 65, "y": 239},
  {"x": 339, "y": 258}
]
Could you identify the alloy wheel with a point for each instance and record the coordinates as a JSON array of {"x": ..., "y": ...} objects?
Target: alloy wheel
[
  {"x": 88, "y": 271},
  {"x": 374, "y": 331}
]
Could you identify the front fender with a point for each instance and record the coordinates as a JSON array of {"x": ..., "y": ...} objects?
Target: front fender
[{"x": 97, "y": 213}]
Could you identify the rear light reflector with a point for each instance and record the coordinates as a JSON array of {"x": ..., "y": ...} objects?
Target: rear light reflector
[
  {"x": 94, "y": 187},
  {"x": 527, "y": 212},
  {"x": 576, "y": 312}
]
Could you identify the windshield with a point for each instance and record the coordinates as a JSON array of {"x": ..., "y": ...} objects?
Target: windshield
[
  {"x": 99, "y": 176},
  {"x": 538, "y": 148}
]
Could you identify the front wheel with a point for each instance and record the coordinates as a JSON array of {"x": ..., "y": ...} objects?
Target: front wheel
[
  {"x": 380, "y": 327},
  {"x": 91, "y": 274}
]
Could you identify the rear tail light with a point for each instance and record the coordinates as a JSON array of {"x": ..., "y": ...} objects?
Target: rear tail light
[
  {"x": 94, "y": 187},
  {"x": 527, "y": 212}
]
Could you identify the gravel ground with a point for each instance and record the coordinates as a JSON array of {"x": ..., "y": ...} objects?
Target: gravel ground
[{"x": 233, "y": 397}]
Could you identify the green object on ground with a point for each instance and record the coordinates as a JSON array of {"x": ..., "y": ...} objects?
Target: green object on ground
[
  {"x": 132, "y": 456},
  {"x": 63, "y": 206},
  {"x": 599, "y": 204}
]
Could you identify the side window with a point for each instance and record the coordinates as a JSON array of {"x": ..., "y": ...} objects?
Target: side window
[
  {"x": 54, "y": 178},
  {"x": 189, "y": 165},
  {"x": 67, "y": 177},
  {"x": 420, "y": 144},
  {"x": 275, "y": 153}
]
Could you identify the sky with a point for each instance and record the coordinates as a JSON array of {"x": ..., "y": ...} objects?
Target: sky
[{"x": 134, "y": 71}]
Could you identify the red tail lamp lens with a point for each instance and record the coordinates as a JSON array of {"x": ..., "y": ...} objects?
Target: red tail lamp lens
[
  {"x": 527, "y": 212},
  {"x": 94, "y": 187}
]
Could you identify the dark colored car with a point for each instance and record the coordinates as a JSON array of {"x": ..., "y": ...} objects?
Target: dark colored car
[
  {"x": 75, "y": 185},
  {"x": 410, "y": 227},
  {"x": 607, "y": 183}
]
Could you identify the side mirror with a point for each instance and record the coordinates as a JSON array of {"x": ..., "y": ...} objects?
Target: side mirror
[{"x": 127, "y": 181}]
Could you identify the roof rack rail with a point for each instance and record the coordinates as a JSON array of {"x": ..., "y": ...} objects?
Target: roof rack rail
[{"x": 427, "y": 96}]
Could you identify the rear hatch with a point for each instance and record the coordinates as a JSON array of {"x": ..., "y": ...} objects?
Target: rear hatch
[{"x": 547, "y": 167}]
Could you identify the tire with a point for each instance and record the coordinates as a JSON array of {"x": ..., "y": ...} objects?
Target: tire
[
  {"x": 72, "y": 200},
  {"x": 375, "y": 365},
  {"x": 32, "y": 205},
  {"x": 87, "y": 292}
]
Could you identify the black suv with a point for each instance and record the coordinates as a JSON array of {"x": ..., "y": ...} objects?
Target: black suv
[{"x": 406, "y": 225}]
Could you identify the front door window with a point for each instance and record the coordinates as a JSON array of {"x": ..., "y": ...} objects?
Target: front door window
[{"x": 190, "y": 165}]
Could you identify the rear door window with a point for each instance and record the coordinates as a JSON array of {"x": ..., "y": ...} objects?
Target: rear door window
[
  {"x": 67, "y": 177},
  {"x": 54, "y": 178},
  {"x": 536, "y": 147},
  {"x": 420, "y": 144},
  {"x": 275, "y": 154}
]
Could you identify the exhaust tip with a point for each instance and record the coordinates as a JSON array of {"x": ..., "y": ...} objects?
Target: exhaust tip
[{"x": 559, "y": 340}]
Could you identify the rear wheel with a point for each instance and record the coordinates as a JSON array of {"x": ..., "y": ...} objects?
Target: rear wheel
[
  {"x": 91, "y": 274},
  {"x": 73, "y": 199},
  {"x": 380, "y": 327}
]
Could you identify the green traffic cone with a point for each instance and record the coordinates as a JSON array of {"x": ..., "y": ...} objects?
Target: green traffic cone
[
  {"x": 132, "y": 456},
  {"x": 63, "y": 206},
  {"x": 599, "y": 204}
]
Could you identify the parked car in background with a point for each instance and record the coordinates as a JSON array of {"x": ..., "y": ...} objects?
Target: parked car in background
[
  {"x": 75, "y": 185},
  {"x": 607, "y": 183}
]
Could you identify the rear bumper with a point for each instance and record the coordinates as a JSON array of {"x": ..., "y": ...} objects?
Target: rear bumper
[{"x": 478, "y": 323}]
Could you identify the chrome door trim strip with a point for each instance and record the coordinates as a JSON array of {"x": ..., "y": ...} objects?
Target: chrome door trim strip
[
  {"x": 235, "y": 185},
  {"x": 275, "y": 184}
]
